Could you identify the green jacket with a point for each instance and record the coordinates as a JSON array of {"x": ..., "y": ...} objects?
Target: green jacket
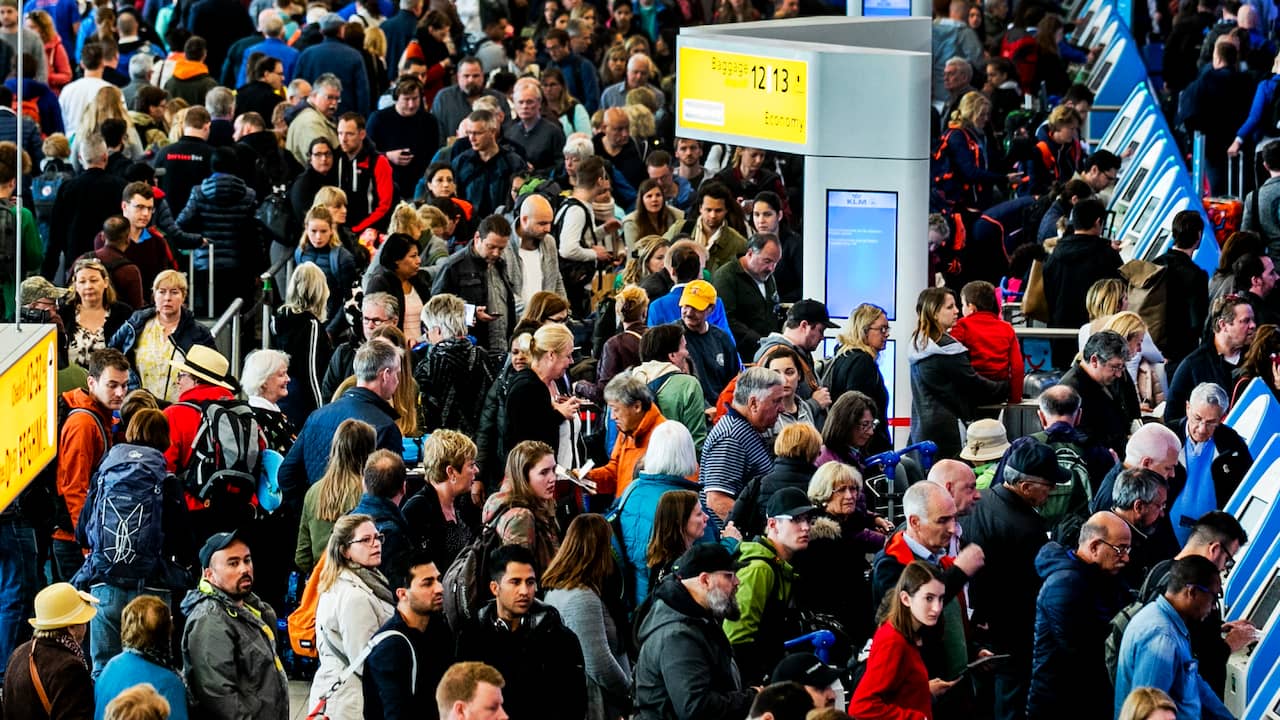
[
  {"x": 764, "y": 595},
  {"x": 32, "y": 258},
  {"x": 751, "y": 315},
  {"x": 679, "y": 398},
  {"x": 729, "y": 246}
]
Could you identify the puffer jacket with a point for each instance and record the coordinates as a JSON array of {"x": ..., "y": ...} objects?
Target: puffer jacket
[
  {"x": 945, "y": 390},
  {"x": 347, "y": 616},
  {"x": 221, "y": 209},
  {"x": 229, "y": 657},
  {"x": 455, "y": 376},
  {"x": 304, "y": 339},
  {"x": 686, "y": 669},
  {"x": 189, "y": 332},
  {"x": 1073, "y": 618}
]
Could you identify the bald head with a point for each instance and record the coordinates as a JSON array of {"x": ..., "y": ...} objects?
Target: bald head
[
  {"x": 1247, "y": 18},
  {"x": 1100, "y": 537},
  {"x": 535, "y": 220},
  {"x": 1059, "y": 403},
  {"x": 959, "y": 481},
  {"x": 1153, "y": 447}
]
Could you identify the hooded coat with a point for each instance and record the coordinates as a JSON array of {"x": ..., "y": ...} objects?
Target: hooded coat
[{"x": 945, "y": 391}]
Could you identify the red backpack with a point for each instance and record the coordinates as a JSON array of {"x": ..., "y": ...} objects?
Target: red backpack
[{"x": 1020, "y": 46}]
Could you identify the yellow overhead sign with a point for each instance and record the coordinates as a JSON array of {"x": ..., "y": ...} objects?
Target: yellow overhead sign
[
  {"x": 28, "y": 397},
  {"x": 748, "y": 95}
]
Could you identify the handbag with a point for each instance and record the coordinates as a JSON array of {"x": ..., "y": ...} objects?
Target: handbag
[
  {"x": 319, "y": 712},
  {"x": 1035, "y": 306}
]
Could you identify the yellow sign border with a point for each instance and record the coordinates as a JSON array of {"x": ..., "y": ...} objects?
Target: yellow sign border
[
  {"x": 29, "y": 393},
  {"x": 751, "y": 96}
]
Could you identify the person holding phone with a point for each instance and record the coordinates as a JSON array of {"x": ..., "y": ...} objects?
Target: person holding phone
[{"x": 895, "y": 683}]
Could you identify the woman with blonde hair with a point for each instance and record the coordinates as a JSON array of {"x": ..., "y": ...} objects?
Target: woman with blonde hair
[
  {"x": 945, "y": 390},
  {"x": 405, "y": 401},
  {"x": 576, "y": 583},
  {"x": 152, "y": 337},
  {"x": 523, "y": 512},
  {"x": 107, "y": 104},
  {"x": 298, "y": 329},
  {"x": 1106, "y": 298},
  {"x": 613, "y": 67},
  {"x": 962, "y": 171},
  {"x": 334, "y": 199},
  {"x": 355, "y": 600},
  {"x": 856, "y": 367},
  {"x": 622, "y": 351},
  {"x": 92, "y": 314},
  {"x": 321, "y": 246},
  {"x": 539, "y": 404},
  {"x": 436, "y": 513},
  {"x": 336, "y": 493},
  {"x": 1148, "y": 703},
  {"x": 1145, "y": 367},
  {"x": 435, "y": 249},
  {"x": 645, "y": 258}
]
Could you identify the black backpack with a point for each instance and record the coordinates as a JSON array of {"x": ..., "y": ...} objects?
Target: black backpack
[
  {"x": 226, "y": 458},
  {"x": 466, "y": 582},
  {"x": 44, "y": 189},
  {"x": 576, "y": 273},
  {"x": 275, "y": 215}
]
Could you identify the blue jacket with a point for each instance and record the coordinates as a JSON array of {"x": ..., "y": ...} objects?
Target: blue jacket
[
  {"x": 335, "y": 56},
  {"x": 396, "y": 543},
  {"x": 221, "y": 208},
  {"x": 128, "y": 669},
  {"x": 637, "y": 507},
  {"x": 309, "y": 456},
  {"x": 666, "y": 310},
  {"x": 272, "y": 47},
  {"x": 1156, "y": 652},
  {"x": 1073, "y": 618},
  {"x": 189, "y": 332},
  {"x": 399, "y": 29},
  {"x": 581, "y": 80},
  {"x": 47, "y": 102},
  {"x": 1252, "y": 128}
]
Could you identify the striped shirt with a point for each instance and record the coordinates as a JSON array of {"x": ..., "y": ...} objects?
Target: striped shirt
[{"x": 734, "y": 454}]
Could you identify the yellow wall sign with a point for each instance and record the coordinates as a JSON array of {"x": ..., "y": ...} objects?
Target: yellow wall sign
[
  {"x": 748, "y": 95},
  {"x": 28, "y": 398}
]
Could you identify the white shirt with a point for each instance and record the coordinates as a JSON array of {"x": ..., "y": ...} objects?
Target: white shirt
[
  {"x": 531, "y": 260},
  {"x": 75, "y": 97}
]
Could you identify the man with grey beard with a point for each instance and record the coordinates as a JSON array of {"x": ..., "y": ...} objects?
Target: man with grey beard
[{"x": 686, "y": 668}]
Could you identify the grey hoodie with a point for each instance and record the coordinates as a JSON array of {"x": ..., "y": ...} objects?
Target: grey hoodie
[{"x": 945, "y": 392}]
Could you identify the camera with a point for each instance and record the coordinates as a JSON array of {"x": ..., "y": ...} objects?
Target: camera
[{"x": 35, "y": 316}]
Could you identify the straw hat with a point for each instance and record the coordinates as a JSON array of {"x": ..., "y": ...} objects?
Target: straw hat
[
  {"x": 60, "y": 605},
  {"x": 206, "y": 364},
  {"x": 986, "y": 441}
]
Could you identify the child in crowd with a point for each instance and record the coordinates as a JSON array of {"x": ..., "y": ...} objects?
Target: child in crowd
[{"x": 993, "y": 348}]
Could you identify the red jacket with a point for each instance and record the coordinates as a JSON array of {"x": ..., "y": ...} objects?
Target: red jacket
[
  {"x": 81, "y": 446},
  {"x": 895, "y": 685},
  {"x": 993, "y": 349}
]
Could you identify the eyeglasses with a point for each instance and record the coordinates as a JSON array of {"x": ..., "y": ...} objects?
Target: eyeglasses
[
  {"x": 1215, "y": 593},
  {"x": 869, "y": 425},
  {"x": 1113, "y": 367},
  {"x": 1122, "y": 550},
  {"x": 370, "y": 540},
  {"x": 882, "y": 329},
  {"x": 1231, "y": 560},
  {"x": 375, "y": 321},
  {"x": 321, "y": 154}
]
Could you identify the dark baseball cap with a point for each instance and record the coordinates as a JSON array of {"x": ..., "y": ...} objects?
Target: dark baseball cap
[
  {"x": 806, "y": 669},
  {"x": 219, "y": 541},
  {"x": 704, "y": 558},
  {"x": 789, "y": 502},
  {"x": 1031, "y": 457},
  {"x": 810, "y": 311}
]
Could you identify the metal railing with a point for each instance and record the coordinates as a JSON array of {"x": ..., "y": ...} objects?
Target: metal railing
[
  {"x": 191, "y": 280},
  {"x": 268, "y": 278},
  {"x": 231, "y": 317}
]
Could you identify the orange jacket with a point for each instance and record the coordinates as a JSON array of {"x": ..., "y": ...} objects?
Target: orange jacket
[
  {"x": 81, "y": 446},
  {"x": 614, "y": 476}
]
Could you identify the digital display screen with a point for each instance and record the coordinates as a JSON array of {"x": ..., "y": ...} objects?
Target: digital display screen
[
  {"x": 1144, "y": 217},
  {"x": 1266, "y": 605},
  {"x": 1156, "y": 248},
  {"x": 1131, "y": 189},
  {"x": 1252, "y": 514},
  {"x": 862, "y": 250},
  {"x": 885, "y": 361},
  {"x": 1095, "y": 82},
  {"x": 1116, "y": 132},
  {"x": 886, "y": 8}
]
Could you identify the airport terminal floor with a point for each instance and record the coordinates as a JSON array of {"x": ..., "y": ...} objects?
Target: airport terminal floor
[{"x": 652, "y": 359}]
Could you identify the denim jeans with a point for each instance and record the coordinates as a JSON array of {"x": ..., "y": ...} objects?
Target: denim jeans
[
  {"x": 67, "y": 559},
  {"x": 18, "y": 584},
  {"x": 104, "y": 628}
]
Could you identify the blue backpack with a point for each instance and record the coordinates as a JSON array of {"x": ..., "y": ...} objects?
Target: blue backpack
[{"x": 121, "y": 519}]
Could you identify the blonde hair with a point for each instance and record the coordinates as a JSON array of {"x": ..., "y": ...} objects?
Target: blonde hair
[
  {"x": 92, "y": 263},
  {"x": 405, "y": 401},
  {"x": 552, "y": 337},
  {"x": 375, "y": 41},
  {"x": 445, "y": 449},
  {"x": 329, "y": 197},
  {"x": 1143, "y": 702},
  {"x": 800, "y": 441},
  {"x": 405, "y": 219},
  {"x": 140, "y": 702},
  {"x": 308, "y": 291},
  {"x": 341, "y": 486},
  {"x": 637, "y": 268},
  {"x": 335, "y": 560},
  {"x": 631, "y": 304},
  {"x": 970, "y": 107},
  {"x": 854, "y": 335},
  {"x": 56, "y": 145},
  {"x": 170, "y": 279},
  {"x": 321, "y": 213},
  {"x": 1105, "y": 297},
  {"x": 433, "y": 219},
  {"x": 1128, "y": 324},
  {"x": 107, "y": 104},
  {"x": 830, "y": 479},
  {"x": 643, "y": 125}
]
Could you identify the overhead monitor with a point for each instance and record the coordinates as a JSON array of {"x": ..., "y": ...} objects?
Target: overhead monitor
[
  {"x": 1096, "y": 81},
  {"x": 862, "y": 250},
  {"x": 1252, "y": 514},
  {"x": 1265, "y": 606},
  {"x": 886, "y": 8},
  {"x": 1131, "y": 188}
]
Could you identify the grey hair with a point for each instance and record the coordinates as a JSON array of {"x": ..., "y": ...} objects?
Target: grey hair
[
  {"x": 375, "y": 356},
  {"x": 384, "y": 300},
  {"x": 1210, "y": 394},
  {"x": 328, "y": 80},
  {"x": 1107, "y": 345},
  {"x": 259, "y": 366},
  {"x": 140, "y": 66},
  {"x": 628, "y": 390},
  {"x": 1136, "y": 484},
  {"x": 308, "y": 291},
  {"x": 671, "y": 451},
  {"x": 823, "y": 483},
  {"x": 755, "y": 383},
  {"x": 92, "y": 148},
  {"x": 220, "y": 102},
  {"x": 1152, "y": 440},
  {"x": 446, "y": 312},
  {"x": 1059, "y": 401},
  {"x": 915, "y": 501},
  {"x": 580, "y": 148},
  {"x": 958, "y": 61}
]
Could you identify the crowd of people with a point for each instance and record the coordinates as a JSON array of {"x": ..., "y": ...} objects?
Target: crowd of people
[{"x": 541, "y": 426}]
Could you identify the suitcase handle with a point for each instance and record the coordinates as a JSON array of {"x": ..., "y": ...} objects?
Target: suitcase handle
[{"x": 1236, "y": 189}]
